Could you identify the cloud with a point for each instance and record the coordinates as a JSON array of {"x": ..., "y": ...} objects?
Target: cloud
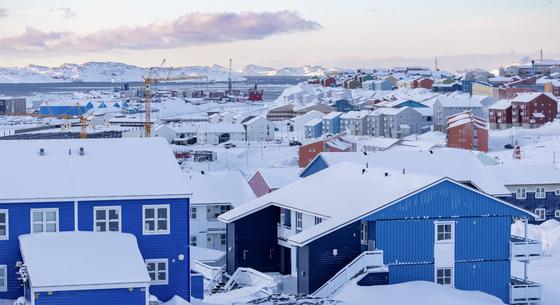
[
  {"x": 4, "y": 12},
  {"x": 67, "y": 13},
  {"x": 188, "y": 30}
]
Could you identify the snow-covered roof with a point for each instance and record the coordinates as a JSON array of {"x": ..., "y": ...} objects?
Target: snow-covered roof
[
  {"x": 232, "y": 186},
  {"x": 378, "y": 142},
  {"x": 501, "y": 105},
  {"x": 109, "y": 168},
  {"x": 222, "y": 127},
  {"x": 458, "y": 164},
  {"x": 277, "y": 177},
  {"x": 205, "y": 255},
  {"x": 338, "y": 144},
  {"x": 525, "y": 97},
  {"x": 314, "y": 122},
  {"x": 69, "y": 259},
  {"x": 524, "y": 174},
  {"x": 354, "y": 114},
  {"x": 447, "y": 101},
  {"x": 332, "y": 115}
]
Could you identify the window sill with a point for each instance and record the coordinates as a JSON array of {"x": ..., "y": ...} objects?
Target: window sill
[{"x": 156, "y": 233}]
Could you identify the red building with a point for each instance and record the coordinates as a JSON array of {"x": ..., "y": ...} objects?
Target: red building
[
  {"x": 533, "y": 109},
  {"x": 467, "y": 131},
  {"x": 337, "y": 143},
  {"x": 422, "y": 82},
  {"x": 328, "y": 81},
  {"x": 499, "y": 115}
]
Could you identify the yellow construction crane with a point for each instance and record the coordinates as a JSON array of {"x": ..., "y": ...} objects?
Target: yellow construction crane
[{"x": 151, "y": 79}]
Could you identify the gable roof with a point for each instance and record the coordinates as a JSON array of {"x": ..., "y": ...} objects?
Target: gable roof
[
  {"x": 457, "y": 164},
  {"x": 110, "y": 168},
  {"x": 524, "y": 174},
  {"x": 232, "y": 186},
  {"x": 67, "y": 259},
  {"x": 526, "y": 97},
  {"x": 277, "y": 177}
]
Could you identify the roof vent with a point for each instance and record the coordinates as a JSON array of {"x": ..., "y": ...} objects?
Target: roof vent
[
  {"x": 41, "y": 151},
  {"x": 404, "y": 171},
  {"x": 386, "y": 174},
  {"x": 431, "y": 152},
  {"x": 202, "y": 172},
  {"x": 365, "y": 153},
  {"x": 363, "y": 171},
  {"x": 82, "y": 151},
  {"x": 69, "y": 151}
]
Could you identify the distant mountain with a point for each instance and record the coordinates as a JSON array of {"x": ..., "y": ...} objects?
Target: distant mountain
[
  {"x": 105, "y": 72},
  {"x": 254, "y": 70}
]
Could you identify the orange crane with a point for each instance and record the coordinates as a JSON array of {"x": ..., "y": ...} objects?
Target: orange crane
[{"x": 151, "y": 79}]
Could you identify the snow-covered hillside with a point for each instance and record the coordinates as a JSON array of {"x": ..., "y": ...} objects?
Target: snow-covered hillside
[
  {"x": 254, "y": 70},
  {"x": 105, "y": 72}
]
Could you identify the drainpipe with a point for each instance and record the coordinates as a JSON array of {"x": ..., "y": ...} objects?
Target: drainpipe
[
  {"x": 525, "y": 221},
  {"x": 76, "y": 215}
]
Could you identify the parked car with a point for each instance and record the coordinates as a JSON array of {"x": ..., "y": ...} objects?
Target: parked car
[
  {"x": 508, "y": 146},
  {"x": 278, "y": 141},
  {"x": 295, "y": 143},
  {"x": 229, "y": 145}
]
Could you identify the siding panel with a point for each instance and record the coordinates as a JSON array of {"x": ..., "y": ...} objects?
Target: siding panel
[
  {"x": 94, "y": 297},
  {"x": 491, "y": 277}
]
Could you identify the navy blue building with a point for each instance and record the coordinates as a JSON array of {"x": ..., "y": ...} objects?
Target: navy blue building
[
  {"x": 129, "y": 186},
  {"x": 329, "y": 227}
]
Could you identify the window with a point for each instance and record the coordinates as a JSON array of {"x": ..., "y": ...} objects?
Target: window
[
  {"x": 193, "y": 241},
  {"x": 3, "y": 278},
  {"x": 299, "y": 220},
  {"x": 4, "y": 227},
  {"x": 557, "y": 192},
  {"x": 318, "y": 220},
  {"x": 157, "y": 269},
  {"x": 444, "y": 231},
  {"x": 444, "y": 276},
  {"x": 363, "y": 233},
  {"x": 44, "y": 220},
  {"x": 540, "y": 193},
  {"x": 286, "y": 217},
  {"x": 193, "y": 213},
  {"x": 223, "y": 239},
  {"x": 521, "y": 193},
  {"x": 557, "y": 213},
  {"x": 156, "y": 219},
  {"x": 107, "y": 219},
  {"x": 541, "y": 214}
]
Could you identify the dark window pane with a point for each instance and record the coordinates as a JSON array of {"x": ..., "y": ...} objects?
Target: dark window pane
[
  {"x": 162, "y": 224},
  {"x": 162, "y": 213},
  {"x": 150, "y": 213},
  {"x": 113, "y": 226},
  {"x": 113, "y": 214},
  {"x": 100, "y": 214}
]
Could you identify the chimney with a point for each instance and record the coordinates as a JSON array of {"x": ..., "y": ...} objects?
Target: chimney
[
  {"x": 404, "y": 171},
  {"x": 82, "y": 151},
  {"x": 363, "y": 171},
  {"x": 69, "y": 151},
  {"x": 532, "y": 68},
  {"x": 41, "y": 151}
]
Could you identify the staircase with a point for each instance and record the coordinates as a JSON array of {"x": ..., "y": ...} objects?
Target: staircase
[
  {"x": 212, "y": 275},
  {"x": 366, "y": 262},
  {"x": 250, "y": 277}
]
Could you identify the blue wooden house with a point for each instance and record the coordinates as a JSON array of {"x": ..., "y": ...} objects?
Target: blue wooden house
[
  {"x": 384, "y": 226},
  {"x": 72, "y": 108},
  {"x": 331, "y": 123},
  {"x": 532, "y": 187},
  {"x": 343, "y": 105},
  {"x": 129, "y": 186},
  {"x": 314, "y": 128}
]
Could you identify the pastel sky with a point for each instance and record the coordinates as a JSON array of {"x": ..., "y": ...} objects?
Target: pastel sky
[{"x": 343, "y": 33}]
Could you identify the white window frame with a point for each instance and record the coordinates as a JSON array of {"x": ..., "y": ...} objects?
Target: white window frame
[
  {"x": 299, "y": 220},
  {"x": 540, "y": 192},
  {"x": 156, "y": 219},
  {"x": 540, "y": 217},
  {"x": 193, "y": 212},
  {"x": 106, "y": 221},
  {"x": 7, "y": 223},
  {"x": 557, "y": 192},
  {"x": 4, "y": 274},
  {"x": 156, "y": 271},
  {"x": 557, "y": 213},
  {"x": 451, "y": 277},
  {"x": 44, "y": 221},
  {"x": 521, "y": 193},
  {"x": 364, "y": 233},
  {"x": 437, "y": 233}
]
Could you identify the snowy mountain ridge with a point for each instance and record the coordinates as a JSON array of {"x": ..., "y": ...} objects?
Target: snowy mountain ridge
[{"x": 121, "y": 72}]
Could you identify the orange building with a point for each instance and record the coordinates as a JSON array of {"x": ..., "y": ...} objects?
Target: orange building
[{"x": 467, "y": 131}]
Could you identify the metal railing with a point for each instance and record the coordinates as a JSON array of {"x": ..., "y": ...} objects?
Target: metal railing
[
  {"x": 523, "y": 291},
  {"x": 284, "y": 232},
  {"x": 212, "y": 274},
  {"x": 250, "y": 277},
  {"x": 363, "y": 262}
]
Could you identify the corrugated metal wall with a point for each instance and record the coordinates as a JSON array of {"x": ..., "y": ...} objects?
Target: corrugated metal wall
[
  {"x": 482, "y": 238},
  {"x": 407, "y": 273},
  {"x": 406, "y": 241},
  {"x": 315, "y": 166},
  {"x": 120, "y": 296},
  {"x": 490, "y": 276}
]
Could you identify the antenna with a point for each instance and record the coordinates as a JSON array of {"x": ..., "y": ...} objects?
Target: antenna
[
  {"x": 230, "y": 85},
  {"x": 436, "y": 64},
  {"x": 541, "y": 55}
]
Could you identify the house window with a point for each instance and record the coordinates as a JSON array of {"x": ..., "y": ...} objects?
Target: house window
[
  {"x": 286, "y": 217},
  {"x": 107, "y": 219},
  {"x": 540, "y": 193},
  {"x": 557, "y": 213},
  {"x": 299, "y": 220},
  {"x": 3, "y": 278},
  {"x": 541, "y": 214},
  {"x": 193, "y": 241},
  {"x": 444, "y": 276},
  {"x": 363, "y": 233},
  {"x": 444, "y": 231},
  {"x": 156, "y": 219},
  {"x": 4, "y": 226},
  {"x": 44, "y": 220},
  {"x": 521, "y": 193},
  {"x": 318, "y": 220},
  {"x": 157, "y": 269},
  {"x": 222, "y": 239},
  {"x": 193, "y": 213},
  {"x": 557, "y": 192}
]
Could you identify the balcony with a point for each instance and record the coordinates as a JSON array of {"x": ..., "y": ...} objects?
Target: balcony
[
  {"x": 284, "y": 232},
  {"x": 524, "y": 249},
  {"x": 523, "y": 291}
]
